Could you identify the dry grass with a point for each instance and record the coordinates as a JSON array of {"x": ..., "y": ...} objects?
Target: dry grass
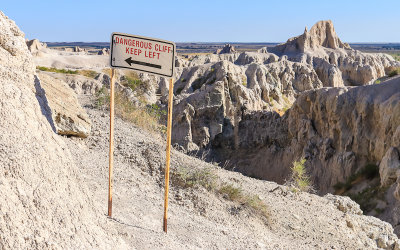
[
  {"x": 139, "y": 116},
  {"x": 189, "y": 178},
  {"x": 107, "y": 71},
  {"x": 62, "y": 71},
  {"x": 88, "y": 73},
  {"x": 182, "y": 177},
  {"x": 147, "y": 118},
  {"x": 396, "y": 55},
  {"x": 237, "y": 195},
  {"x": 394, "y": 72}
]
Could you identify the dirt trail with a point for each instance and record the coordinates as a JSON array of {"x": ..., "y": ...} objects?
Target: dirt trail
[{"x": 198, "y": 218}]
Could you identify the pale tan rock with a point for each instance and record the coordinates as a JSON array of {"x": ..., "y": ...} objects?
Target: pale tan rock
[
  {"x": 79, "y": 49},
  {"x": 322, "y": 34},
  {"x": 104, "y": 51},
  {"x": 34, "y": 46},
  {"x": 338, "y": 130},
  {"x": 227, "y": 49},
  {"x": 344, "y": 204},
  {"x": 388, "y": 167},
  {"x": 212, "y": 96},
  {"x": 322, "y": 48},
  {"x": 67, "y": 115},
  {"x": 253, "y": 57},
  {"x": 397, "y": 190},
  {"x": 44, "y": 204}
]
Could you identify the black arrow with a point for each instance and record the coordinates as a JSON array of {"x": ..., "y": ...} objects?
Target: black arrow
[{"x": 130, "y": 62}]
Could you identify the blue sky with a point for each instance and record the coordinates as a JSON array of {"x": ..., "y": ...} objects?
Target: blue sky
[{"x": 204, "y": 20}]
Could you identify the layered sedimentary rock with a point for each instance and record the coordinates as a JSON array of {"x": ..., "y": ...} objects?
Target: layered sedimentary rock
[
  {"x": 270, "y": 80},
  {"x": 322, "y": 34},
  {"x": 338, "y": 131},
  {"x": 211, "y": 97},
  {"x": 322, "y": 48},
  {"x": 62, "y": 106}
]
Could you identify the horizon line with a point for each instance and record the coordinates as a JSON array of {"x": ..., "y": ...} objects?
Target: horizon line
[{"x": 222, "y": 42}]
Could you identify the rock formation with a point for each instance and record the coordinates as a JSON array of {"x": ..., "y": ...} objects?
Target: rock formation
[
  {"x": 62, "y": 107},
  {"x": 269, "y": 81},
  {"x": 263, "y": 50},
  {"x": 322, "y": 34},
  {"x": 227, "y": 106},
  {"x": 44, "y": 203},
  {"x": 35, "y": 45},
  {"x": 104, "y": 51},
  {"x": 227, "y": 49},
  {"x": 211, "y": 96},
  {"x": 338, "y": 130},
  {"x": 322, "y": 48},
  {"x": 79, "y": 49}
]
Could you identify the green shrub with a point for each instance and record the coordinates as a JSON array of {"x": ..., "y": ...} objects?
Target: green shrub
[
  {"x": 131, "y": 82},
  {"x": 299, "y": 180},
  {"x": 244, "y": 81}
]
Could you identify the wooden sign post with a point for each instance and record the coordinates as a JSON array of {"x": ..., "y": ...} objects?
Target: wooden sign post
[
  {"x": 149, "y": 55},
  {"x": 111, "y": 155},
  {"x": 169, "y": 128}
]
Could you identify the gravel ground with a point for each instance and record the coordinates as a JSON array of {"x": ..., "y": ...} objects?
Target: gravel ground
[{"x": 201, "y": 219}]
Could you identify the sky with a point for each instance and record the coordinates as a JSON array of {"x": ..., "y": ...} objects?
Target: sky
[{"x": 203, "y": 20}]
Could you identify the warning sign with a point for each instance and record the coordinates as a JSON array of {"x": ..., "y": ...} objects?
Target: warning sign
[{"x": 150, "y": 55}]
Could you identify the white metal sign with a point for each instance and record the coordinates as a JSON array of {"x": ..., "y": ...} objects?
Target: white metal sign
[{"x": 150, "y": 55}]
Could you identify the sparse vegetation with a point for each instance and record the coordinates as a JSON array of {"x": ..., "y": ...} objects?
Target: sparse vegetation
[
  {"x": 396, "y": 56},
  {"x": 299, "y": 180},
  {"x": 370, "y": 171},
  {"x": 102, "y": 98},
  {"x": 244, "y": 81},
  {"x": 88, "y": 73},
  {"x": 394, "y": 72},
  {"x": 193, "y": 178},
  {"x": 147, "y": 117},
  {"x": 107, "y": 71},
  {"x": 63, "y": 71},
  {"x": 131, "y": 80},
  {"x": 366, "y": 198},
  {"x": 189, "y": 178},
  {"x": 230, "y": 192},
  {"x": 236, "y": 194}
]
